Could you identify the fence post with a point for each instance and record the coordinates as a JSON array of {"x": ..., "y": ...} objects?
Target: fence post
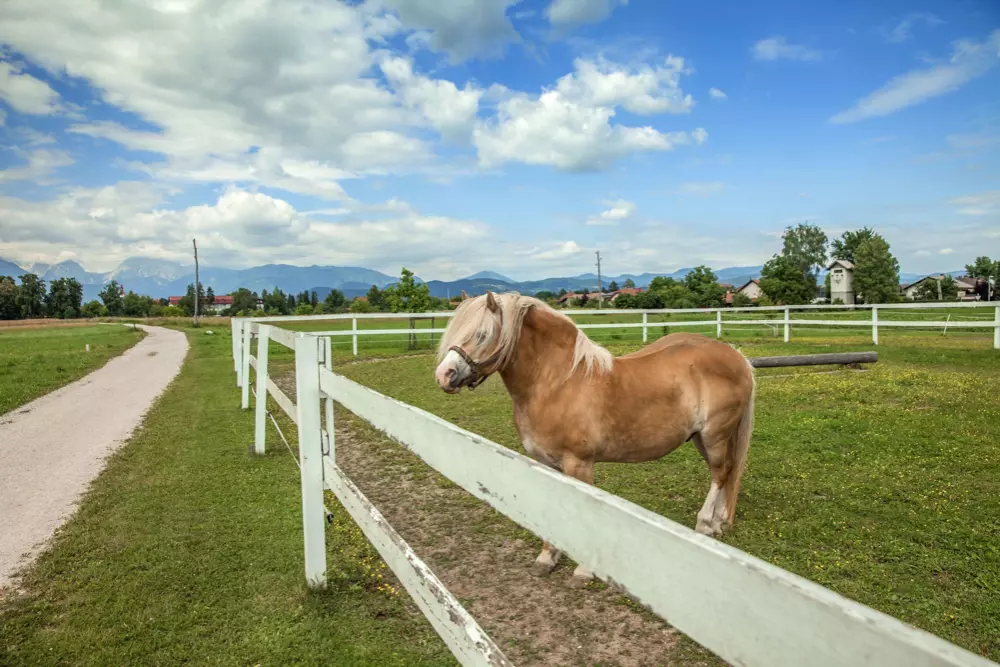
[
  {"x": 310, "y": 457},
  {"x": 354, "y": 338},
  {"x": 645, "y": 323},
  {"x": 260, "y": 423},
  {"x": 996, "y": 328},
  {"x": 788, "y": 325},
  {"x": 328, "y": 401},
  {"x": 718, "y": 324},
  {"x": 875, "y": 325},
  {"x": 235, "y": 332},
  {"x": 245, "y": 373}
]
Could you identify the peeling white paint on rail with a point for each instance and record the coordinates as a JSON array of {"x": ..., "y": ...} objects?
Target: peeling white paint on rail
[
  {"x": 463, "y": 635},
  {"x": 745, "y": 610}
]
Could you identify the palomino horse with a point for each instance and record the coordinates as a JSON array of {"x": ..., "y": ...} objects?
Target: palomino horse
[{"x": 575, "y": 404}]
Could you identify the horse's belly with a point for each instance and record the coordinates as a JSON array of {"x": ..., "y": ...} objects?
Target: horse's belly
[{"x": 641, "y": 451}]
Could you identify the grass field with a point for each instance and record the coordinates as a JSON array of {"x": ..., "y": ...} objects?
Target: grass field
[
  {"x": 880, "y": 485},
  {"x": 36, "y": 360},
  {"x": 188, "y": 550}
]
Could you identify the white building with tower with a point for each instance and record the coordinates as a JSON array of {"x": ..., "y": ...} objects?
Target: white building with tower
[{"x": 841, "y": 281}]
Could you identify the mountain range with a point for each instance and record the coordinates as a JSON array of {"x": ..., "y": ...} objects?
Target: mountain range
[{"x": 162, "y": 278}]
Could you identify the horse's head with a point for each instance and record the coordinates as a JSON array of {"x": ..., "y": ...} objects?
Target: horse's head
[{"x": 472, "y": 346}]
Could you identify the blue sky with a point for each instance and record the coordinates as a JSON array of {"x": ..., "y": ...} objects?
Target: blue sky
[{"x": 513, "y": 136}]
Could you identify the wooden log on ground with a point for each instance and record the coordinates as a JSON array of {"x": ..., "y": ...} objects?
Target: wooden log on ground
[{"x": 836, "y": 358}]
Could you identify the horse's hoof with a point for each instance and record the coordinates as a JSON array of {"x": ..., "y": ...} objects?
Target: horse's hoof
[{"x": 542, "y": 569}]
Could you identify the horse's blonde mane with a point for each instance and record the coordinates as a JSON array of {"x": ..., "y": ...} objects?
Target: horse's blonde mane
[{"x": 473, "y": 322}]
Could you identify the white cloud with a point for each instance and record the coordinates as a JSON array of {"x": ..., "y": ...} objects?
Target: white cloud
[
  {"x": 211, "y": 80},
  {"x": 641, "y": 90},
  {"x": 461, "y": 28},
  {"x": 561, "y": 251},
  {"x": 922, "y": 253},
  {"x": 700, "y": 188},
  {"x": 969, "y": 60},
  {"x": 946, "y": 251},
  {"x": 903, "y": 30},
  {"x": 569, "y": 126},
  {"x": 717, "y": 94},
  {"x": 619, "y": 211},
  {"x": 575, "y": 12},
  {"x": 778, "y": 48},
  {"x": 42, "y": 163},
  {"x": 986, "y": 203},
  {"x": 449, "y": 109},
  {"x": 26, "y": 94}
]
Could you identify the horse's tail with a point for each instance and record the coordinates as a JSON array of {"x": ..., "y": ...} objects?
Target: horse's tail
[{"x": 738, "y": 449}]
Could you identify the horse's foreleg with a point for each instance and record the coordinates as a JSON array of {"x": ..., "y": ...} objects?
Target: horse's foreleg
[{"x": 583, "y": 471}]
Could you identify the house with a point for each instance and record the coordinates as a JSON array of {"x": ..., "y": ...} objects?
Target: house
[
  {"x": 219, "y": 303},
  {"x": 627, "y": 291},
  {"x": 966, "y": 287},
  {"x": 750, "y": 289}
]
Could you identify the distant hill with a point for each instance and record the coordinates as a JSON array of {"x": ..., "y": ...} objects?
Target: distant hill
[{"x": 162, "y": 278}]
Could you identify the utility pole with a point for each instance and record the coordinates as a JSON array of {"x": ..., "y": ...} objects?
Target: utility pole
[
  {"x": 600, "y": 285},
  {"x": 197, "y": 282}
]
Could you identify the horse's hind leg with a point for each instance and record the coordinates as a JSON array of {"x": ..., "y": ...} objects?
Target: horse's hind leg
[
  {"x": 546, "y": 561},
  {"x": 713, "y": 517}
]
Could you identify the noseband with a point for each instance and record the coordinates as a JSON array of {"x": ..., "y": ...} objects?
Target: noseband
[{"x": 477, "y": 366}]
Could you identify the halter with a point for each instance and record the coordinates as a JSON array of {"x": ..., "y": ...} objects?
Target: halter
[{"x": 477, "y": 366}]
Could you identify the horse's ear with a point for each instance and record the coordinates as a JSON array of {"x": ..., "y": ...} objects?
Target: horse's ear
[
  {"x": 464, "y": 295},
  {"x": 491, "y": 302}
]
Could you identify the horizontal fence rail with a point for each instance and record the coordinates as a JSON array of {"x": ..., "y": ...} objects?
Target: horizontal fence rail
[
  {"x": 722, "y": 318},
  {"x": 745, "y": 610}
]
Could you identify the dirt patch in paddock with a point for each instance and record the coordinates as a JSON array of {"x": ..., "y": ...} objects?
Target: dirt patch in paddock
[{"x": 485, "y": 559}]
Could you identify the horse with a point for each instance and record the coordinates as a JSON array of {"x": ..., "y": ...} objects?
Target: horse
[{"x": 575, "y": 404}]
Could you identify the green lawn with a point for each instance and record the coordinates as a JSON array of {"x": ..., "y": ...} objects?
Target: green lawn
[
  {"x": 188, "y": 550},
  {"x": 35, "y": 361},
  {"x": 879, "y": 485}
]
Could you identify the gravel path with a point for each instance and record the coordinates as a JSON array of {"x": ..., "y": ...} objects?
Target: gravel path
[{"x": 52, "y": 448}]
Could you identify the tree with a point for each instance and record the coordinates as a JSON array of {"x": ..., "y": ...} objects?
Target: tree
[
  {"x": 876, "y": 272},
  {"x": 983, "y": 267},
  {"x": 136, "y": 305},
  {"x": 847, "y": 244},
  {"x": 704, "y": 287},
  {"x": 545, "y": 295},
  {"x": 562, "y": 292},
  {"x": 667, "y": 293},
  {"x": 304, "y": 308},
  {"x": 291, "y": 303},
  {"x": 209, "y": 297},
  {"x": 111, "y": 295},
  {"x": 361, "y": 305},
  {"x": 612, "y": 287},
  {"x": 928, "y": 288},
  {"x": 629, "y": 284},
  {"x": 9, "y": 308},
  {"x": 65, "y": 295},
  {"x": 741, "y": 300},
  {"x": 187, "y": 301},
  {"x": 313, "y": 299},
  {"x": 244, "y": 300},
  {"x": 805, "y": 245},
  {"x": 94, "y": 309},
  {"x": 785, "y": 282},
  {"x": 31, "y": 296},
  {"x": 334, "y": 301},
  {"x": 375, "y": 298},
  {"x": 407, "y": 296}
]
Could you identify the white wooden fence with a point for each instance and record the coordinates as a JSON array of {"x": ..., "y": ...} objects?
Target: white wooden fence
[
  {"x": 745, "y": 610},
  {"x": 720, "y": 318}
]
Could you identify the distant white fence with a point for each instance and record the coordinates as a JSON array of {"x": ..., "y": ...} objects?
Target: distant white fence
[
  {"x": 745, "y": 610},
  {"x": 720, "y": 318}
]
